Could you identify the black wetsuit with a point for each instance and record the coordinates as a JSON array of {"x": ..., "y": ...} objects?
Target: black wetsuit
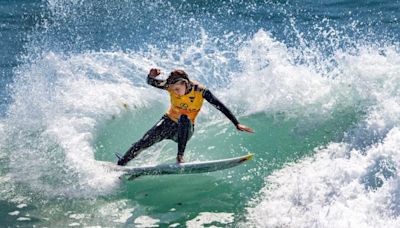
[{"x": 166, "y": 128}]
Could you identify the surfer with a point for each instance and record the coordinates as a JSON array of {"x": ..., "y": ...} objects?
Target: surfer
[{"x": 178, "y": 123}]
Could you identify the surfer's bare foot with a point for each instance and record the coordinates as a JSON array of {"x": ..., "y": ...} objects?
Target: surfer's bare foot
[
  {"x": 179, "y": 159},
  {"x": 121, "y": 160}
]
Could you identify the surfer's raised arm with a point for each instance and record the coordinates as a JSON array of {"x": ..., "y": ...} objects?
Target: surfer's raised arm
[
  {"x": 151, "y": 79},
  {"x": 208, "y": 96}
]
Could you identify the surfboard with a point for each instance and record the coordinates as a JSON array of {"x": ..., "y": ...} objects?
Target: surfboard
[{"x": 180, "y": 168}]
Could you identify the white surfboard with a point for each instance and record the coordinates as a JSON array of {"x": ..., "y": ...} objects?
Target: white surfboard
[{"x": 179, "y": 168}]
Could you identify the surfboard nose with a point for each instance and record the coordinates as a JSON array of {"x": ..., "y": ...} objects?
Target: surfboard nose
[{"x": 246, "y": 158}]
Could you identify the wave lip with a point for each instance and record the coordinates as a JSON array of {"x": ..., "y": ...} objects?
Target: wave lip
[
  {"x": 59, "y": 104},
  {"x": 353, "y": 181}
]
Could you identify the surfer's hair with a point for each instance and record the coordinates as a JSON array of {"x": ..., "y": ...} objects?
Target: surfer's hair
[{"x": 177, "y": 76}]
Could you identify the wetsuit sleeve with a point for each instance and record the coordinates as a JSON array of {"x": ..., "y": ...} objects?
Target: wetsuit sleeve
[
  {"x": 218, "y": 105},
  {"x": 161, "y": 84}
]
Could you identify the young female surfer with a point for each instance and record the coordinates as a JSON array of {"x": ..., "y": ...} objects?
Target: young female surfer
[{"x": 178, "y": 123}]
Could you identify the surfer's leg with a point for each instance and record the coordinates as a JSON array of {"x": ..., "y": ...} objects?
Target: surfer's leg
[
  {"x": 161, "y": 130},
  {"x": 185, "y": 131}
]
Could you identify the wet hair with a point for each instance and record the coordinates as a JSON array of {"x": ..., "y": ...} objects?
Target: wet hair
[{"x": 177, "y": 76}]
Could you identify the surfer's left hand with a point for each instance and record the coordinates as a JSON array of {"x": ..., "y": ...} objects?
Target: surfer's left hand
[{"x": 245, "y": 128}]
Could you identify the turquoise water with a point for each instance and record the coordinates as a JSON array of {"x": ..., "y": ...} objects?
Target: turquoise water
[{"x": 318, "y": 82}]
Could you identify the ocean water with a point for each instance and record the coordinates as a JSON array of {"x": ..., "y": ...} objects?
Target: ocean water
[{"x": 319, "y": 81}]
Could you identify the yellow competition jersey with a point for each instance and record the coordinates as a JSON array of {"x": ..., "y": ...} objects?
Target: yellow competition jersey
[{"x": 188, "y": 104}]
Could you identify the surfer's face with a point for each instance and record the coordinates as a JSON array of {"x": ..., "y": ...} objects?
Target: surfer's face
[{"x": 179, "y": 88}]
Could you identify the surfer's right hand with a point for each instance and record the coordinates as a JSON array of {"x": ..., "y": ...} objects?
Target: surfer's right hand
[{"x": 154, "y": 72}]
